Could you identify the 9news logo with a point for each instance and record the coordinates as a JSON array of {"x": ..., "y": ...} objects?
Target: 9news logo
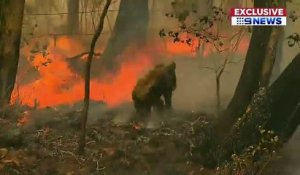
[{"x": 258, "y": 16}]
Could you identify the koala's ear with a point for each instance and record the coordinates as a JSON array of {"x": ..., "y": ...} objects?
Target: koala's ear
[{"x": 173, "y": 65}]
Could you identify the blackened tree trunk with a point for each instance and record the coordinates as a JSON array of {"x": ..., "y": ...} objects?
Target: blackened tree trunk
[
  {"x": 271, "y": 65},
  {"x": 130, "y": 29},
  {"x": 73, "y": 16},
  {"x": 270, "y": 56},
  {"x": 275, "y": 108},
  {"x": 11, "y": 17},
  {"x": 250, "y": 77},
  {"x": 285, "y": 96},
  {"x": 85, "y": 110},
  {"x": 290, "y": 125},
  {"x": 279, "y": 51},
  {"x": 279, "y": 56}
]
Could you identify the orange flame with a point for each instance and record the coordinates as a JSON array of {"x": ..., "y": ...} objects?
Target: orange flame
[{"x": 58, "y": 84}]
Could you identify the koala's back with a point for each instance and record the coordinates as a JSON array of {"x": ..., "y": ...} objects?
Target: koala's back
[{"x": 150, "y": 81}]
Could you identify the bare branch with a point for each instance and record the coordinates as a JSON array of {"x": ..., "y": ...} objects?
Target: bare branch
[
  {"x": 84, "y": 115},
  {"x": 222, "y": 68},
  {"x": 82, "y": 54},
  {"x": 209, "y": 68},
  {"x": 236, "y": 62}
]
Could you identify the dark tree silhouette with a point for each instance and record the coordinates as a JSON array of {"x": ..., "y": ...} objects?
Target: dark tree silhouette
[
  {"x": 73, "y": 16},
  {"x": 11, "y": 17},
  {"x": 130, "y": 29},
  {"x": 85, "y": 110},
  {"x": 249, "y": 81},
  {"x": 275, "y": 110}
]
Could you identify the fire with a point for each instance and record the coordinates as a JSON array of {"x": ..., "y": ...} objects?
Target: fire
[
  {"x": 58, "y": 84},
  {"x": 195, "y": 45},
  {"x": 119, "y": 90},
  {"x": 182, "y": 48}
]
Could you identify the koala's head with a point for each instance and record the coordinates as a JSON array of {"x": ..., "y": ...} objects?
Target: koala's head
[
  {"x": 172, "y": 66},
  {"x": 171, "y": 75}
]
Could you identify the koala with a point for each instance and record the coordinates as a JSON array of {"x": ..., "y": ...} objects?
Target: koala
[{"x": 158, "y": 83}]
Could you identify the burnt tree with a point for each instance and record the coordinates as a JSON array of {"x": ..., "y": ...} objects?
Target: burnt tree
[
  {"x": 130, "y": 28},
  {"x": 279, "y": 52},
  {"x": 279, "y": 56},
  {"x": 232, "y": 135},
  {"x": 73, "y": 16},
  {"x": 11, "y": 17},
  {"x": 249, "y": 81},
  {"x": 275, "y": 108},
  {"x": 285, "y": 96}
]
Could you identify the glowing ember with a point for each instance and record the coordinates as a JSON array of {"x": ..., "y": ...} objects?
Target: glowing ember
[{"x": 24, "y": 119}]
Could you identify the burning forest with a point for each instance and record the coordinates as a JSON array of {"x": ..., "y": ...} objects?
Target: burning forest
[{"x": 148, "y": 87}]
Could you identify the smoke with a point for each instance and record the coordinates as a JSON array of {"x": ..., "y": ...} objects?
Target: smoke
[
  {"x": 63, "y": 116},
  {"x": 196, "y": 89},
  {"x": 130, "y": 29},
  {"x": 288, "y": 161}
]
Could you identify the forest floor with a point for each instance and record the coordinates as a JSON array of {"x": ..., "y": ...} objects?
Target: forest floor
[
  {"x": 49, "y": 146},
  {"x": 44, "y": 142}
]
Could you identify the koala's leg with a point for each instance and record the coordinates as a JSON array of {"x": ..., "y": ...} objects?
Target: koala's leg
[
  {"x": 146, "y": 110},
  {"x": 158, "y": 104},
  {"x": 140, "y": 108},
  {"x": 168, "y": 99},
  {"x": 143, "y": 110}
]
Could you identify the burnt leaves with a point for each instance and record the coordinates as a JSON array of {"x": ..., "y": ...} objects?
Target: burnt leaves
[
  {"x": 294, "y": 39},
  {"x": 194, "y": 26},
  {"x": 293, "y": 16}
]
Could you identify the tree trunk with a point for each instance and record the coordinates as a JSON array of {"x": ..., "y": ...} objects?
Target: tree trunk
[
  {"x": 246, "y": 131},
  {"x": 218, "y": 106},
  {"x": 250, "y": 77},
  {"x": 275, "y": 108},
  {"x": 218, "y": 85},
  {"x": 291, "y": 125},
  {"x": 285, "y": 96},
  {"x": 269, "y": 58},
  {"x": 11, "y": 17},
  {"x": 85, "y": 110},
  {"x": 73, "y": 16},
  {"x": 280, "y": 114},
  {"x": 279, "y": 56},
  {"x": 130, "y": 29}
]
